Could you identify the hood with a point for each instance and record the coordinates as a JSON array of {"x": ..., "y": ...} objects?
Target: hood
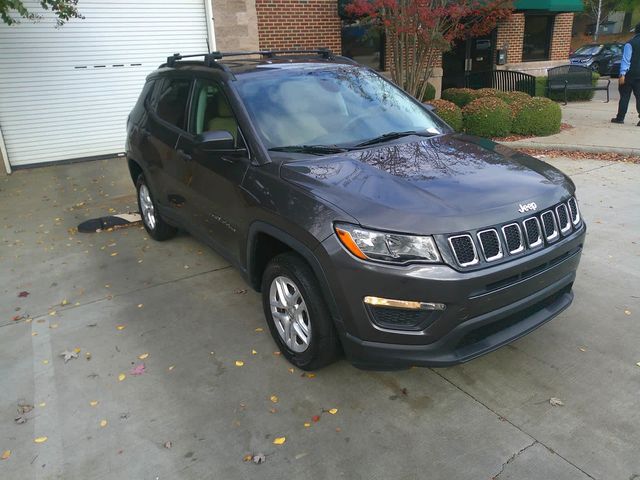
[{"x": 437, "y": 185}]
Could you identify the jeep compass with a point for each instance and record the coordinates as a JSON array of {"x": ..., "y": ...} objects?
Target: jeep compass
[{"x": 370, "y": 228}]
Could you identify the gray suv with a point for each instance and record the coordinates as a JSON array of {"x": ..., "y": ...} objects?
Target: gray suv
[{"x": 368, "y": 225}]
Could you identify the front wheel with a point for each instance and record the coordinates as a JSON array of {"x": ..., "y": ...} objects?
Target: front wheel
[
  {"x": 155, "y": 225},
  {"x": 297, "y": 314}
]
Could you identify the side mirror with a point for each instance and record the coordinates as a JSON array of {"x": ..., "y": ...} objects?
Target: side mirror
[{"x": 216, "y": 140}]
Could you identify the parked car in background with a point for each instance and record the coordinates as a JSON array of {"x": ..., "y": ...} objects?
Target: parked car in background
[
  {"x": 367, "y": 224},
  {"x": 614, "y": 67},
  {"x": 600, "y": 57}
]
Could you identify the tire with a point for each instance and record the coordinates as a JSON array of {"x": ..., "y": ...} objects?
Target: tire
[
  {"x": 322, "y": 347},
  {"x": 154, "y": 224}
]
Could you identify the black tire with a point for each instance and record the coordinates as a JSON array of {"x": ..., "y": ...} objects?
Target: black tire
[
  {"x": 161, "y": 230},
  {"x": 324, "y": 346}
]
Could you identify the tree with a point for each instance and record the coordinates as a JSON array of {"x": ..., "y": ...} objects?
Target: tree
[
  {"x": 11, "y": 11},
  {"x": 418, "y": 31},
  {"x": 600, "y": 10}
]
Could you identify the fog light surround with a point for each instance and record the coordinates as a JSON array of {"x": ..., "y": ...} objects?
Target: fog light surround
[{"x": 405, "y": 304}]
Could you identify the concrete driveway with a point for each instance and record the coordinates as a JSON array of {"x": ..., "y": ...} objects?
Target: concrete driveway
[{"x": 119, "y": 295}]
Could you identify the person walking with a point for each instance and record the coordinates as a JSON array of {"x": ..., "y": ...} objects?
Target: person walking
[{"x": 629, "y": 80}]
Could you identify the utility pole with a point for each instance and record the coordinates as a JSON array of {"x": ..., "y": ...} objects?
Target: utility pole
[{"x": 595, "y": 35}]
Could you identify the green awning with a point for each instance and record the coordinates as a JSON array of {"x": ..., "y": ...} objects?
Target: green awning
[{"x": 550, "y": 5}]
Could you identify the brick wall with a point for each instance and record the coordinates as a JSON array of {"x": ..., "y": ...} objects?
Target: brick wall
[
  {"x": 298, "y": 24},
  {"x": 511, "y": 35},
  {"x": 561, "y": 39}
]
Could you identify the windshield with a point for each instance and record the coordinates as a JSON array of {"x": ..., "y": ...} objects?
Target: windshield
[
  {"x": 588, "y": 50},
  {"x": 329, "y": 106}
]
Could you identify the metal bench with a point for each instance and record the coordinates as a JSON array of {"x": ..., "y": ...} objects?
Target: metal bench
[
  {"x": 503, "y": 80},
  {"x": 572, "y": 77}
]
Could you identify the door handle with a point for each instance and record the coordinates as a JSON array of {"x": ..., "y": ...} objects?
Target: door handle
[{"x": 182, "y": 155}]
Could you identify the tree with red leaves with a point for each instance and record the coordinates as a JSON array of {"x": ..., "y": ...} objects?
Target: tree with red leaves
[{"x": 418, "y": 31}]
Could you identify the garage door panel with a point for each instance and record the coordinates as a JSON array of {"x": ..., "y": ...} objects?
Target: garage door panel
[{"x": 65, "y": 93}]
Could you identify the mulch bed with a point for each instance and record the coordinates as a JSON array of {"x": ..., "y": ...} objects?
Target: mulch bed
[{"x": 608, "y": 157}]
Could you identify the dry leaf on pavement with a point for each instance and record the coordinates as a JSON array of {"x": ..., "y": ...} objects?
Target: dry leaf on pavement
[
  {"x": 168, "y": 444},
  {"x": 40, "y": 439},
  {"x": 143, "y": 356},
  {"x": 556, "y": 402},
  {"x": 239, "y": 363},
  {"x": 23, "y": 294},
  {"x": 279, "y": 440},
  {"x": 67, "y": 355},
  {"x": 6, "y": 454},
  {"x": 138, "y": 369},
  {"x": 274, "y": 398},
  {"x": 333, "y": 411},
  {"x": 121, "y": 377},
  {"x": 259, "y": 458}
]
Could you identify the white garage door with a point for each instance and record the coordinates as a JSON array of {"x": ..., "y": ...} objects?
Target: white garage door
[{"x": 66, "y": 93}]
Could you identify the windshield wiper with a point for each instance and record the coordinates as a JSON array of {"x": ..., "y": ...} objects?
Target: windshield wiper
[
  {"x": 393, "y": 136},
  {"x": 312, "y": 149}
]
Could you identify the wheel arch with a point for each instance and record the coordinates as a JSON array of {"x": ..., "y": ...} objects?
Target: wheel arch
[{"x": 265, "y": 241}]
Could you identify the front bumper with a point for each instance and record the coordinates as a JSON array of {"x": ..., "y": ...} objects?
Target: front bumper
[{"x": 486, "y": 308}]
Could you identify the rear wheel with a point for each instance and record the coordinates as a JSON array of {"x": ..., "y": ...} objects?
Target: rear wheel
[
  {"x": 297, "y": 314},
  {"x": 155, "y": 225}
]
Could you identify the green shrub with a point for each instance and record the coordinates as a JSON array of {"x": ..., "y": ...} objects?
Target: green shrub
[
  {"x": 430, "y": 93},
  {"x": 538, "y": 116},
  {"x": 513, "y": 97},
  {"x": 487, "y": 117},
  {"x": 572, "y": 95},
  {"x": 449, "y": 112},
  {"x": 459, "y": 96},
  {"x": 485, "y": 92}
]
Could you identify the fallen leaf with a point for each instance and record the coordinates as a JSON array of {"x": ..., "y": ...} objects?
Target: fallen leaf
[
  {"x": 247, "y": 458},
  {"x": 64, "y": 302},
  {"x": 77, "y": 350},
  {"x": 259, "y": 330},
  {"x": 120, "y": 327},
  {"x": 143, "y": 356},
  {"x": 279, "y": 440},
  {"x": 94, "y": 403},
  {"x": 121, "y": 377},
  {"x": 23, "y": 294},
  {"x": 167, "y": 444},
  {"x": 20, "y": 419},
  {"x": 138, "y": 369},
  {"x": 114, "y": 254},
  {"x": 24, "y": 408},
  {"x": 259, "y": 458},
  {"x": 307, "y": 424},
  {"x": 6, "y": 454},
  {"x": 582, "y": 349},
  {"x": 274, "y": 398},
  {"x": 338, "y": 429},
  {"x": 315, "y": 418},
  {"x": 627, "y": 312},
  {"x": 103, "y": 423},
  {"x": 171, "y": 367},
  {"x": 556, "y": 402},
  {"x": 240, "y": 291},
  {"x": 239, "y": 363},
  {"x": 46, "y": 362},
  {"x": 40, "y": 439},
  {"x": 291, "y": 370},
  {"x": 140, "y": 305},
  {"x": 53, "y": 326},
  {"x": 638, "y": 364},
  {"x": 277, "y": 353},
  {"x": 333, "y": 411},
  {"x": 273, "y": 410},
  {"x": 17, "y": 318},
  {"x": 308, "y": 375},
  {"x": 87, "y": 355},
  {"x": 52, "y": 313},
  {"x": 253, "y": 352},
  {"x": 42, "y": 404},
  {"x": 67, "y": 355}
]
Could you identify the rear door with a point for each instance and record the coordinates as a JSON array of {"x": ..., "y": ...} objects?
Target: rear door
[
  {"x": 216, "y": 175},
  {"x": 168, "y": 165}
]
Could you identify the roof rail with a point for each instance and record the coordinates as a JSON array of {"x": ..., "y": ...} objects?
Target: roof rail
[{"x": 210, "y": 59}]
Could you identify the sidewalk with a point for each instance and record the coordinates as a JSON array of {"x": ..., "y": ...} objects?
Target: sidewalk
[{"x": 593, "y": 130}]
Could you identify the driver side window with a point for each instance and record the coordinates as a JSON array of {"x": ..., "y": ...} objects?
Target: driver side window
[{"x": 211, "y": 110}]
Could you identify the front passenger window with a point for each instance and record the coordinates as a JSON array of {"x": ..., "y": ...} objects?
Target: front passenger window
[
  {"x": 172, "y": 101},
  {"x": 212, "y": 110}
]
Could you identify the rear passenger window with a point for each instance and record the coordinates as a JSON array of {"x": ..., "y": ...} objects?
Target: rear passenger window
[{"x": 172, "y": 101}]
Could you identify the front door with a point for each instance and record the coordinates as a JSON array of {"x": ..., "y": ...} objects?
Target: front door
[
  {"x": 216, "y": 175},
  {"x": 472, "y": 56}
]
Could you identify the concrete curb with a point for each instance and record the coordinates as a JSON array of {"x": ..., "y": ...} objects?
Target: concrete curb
[{"x": 574, "y": 148}]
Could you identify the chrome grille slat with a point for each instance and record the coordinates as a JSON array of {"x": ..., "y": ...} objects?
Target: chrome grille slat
[
  {"x": 533, "y": 232},
  {"x": 549, "y": 225},
  {"x": 490, "y": 244},
  {"x": 563, "y": 218},
  {"x": 513, "y": 238},
  {"x": 464, "y": 250},
  {"x": 575, "y": 212}
]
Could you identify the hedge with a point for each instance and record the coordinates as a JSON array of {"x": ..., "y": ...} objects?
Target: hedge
[
  {"x": 460, "y": 96},
  {"x": 572, "y": 95},
  {"x": 430, "y": 93},
  {"x": 487, "y": 117},
  {"x": 537, "y": 116},
  {"x": 449, "y": 112}
]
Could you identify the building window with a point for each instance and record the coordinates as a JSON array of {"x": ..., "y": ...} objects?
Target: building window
[
  {"x": 363, "y": 43},
  {"x": 538, "y": 30}
]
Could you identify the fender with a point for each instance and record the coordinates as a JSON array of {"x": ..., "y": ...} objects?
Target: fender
[{"x": 298, "y": 247}]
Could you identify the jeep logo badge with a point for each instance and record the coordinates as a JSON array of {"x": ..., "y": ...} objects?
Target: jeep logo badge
[{"x": 528, "y": 207}]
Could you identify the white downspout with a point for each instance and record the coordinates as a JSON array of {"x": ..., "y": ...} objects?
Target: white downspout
[
  {"x": 4, "y": 154},
  {"x": 211, "y": 33}
]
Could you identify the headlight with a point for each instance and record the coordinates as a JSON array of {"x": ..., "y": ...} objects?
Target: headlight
[{"x": 387, "y": 247}]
